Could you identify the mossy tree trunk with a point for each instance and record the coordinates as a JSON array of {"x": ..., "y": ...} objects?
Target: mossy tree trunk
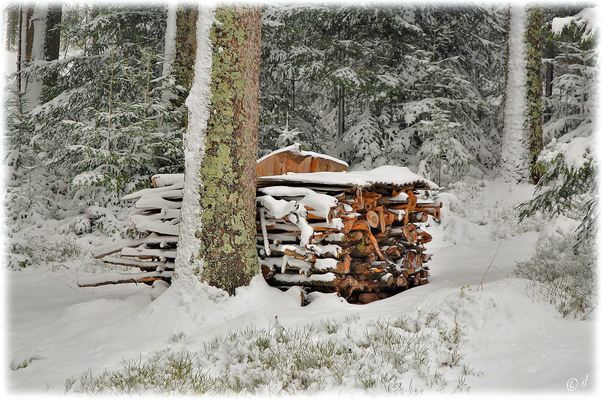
[
  {"x": 534, "y": 41},
  {"x": 228, "y": 170},
  {"x": 183, "y": 64}
]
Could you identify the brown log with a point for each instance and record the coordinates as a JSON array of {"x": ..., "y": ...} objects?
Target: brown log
[
  {"x": 382, "y": 222},
  {"x": 358, "y": 267},
  {"x": 366, "y": 298},
  {"x": 401, "y": 282},
  {"x": 393, "y": 252},
  {"x": 354, "y": 236},
  {"x": 409, "y": 232},
  {"x": 418, "y": 217},
  {"x": 375, "y": 243},
  {"x": 147, "y": 254},
  {"x": 424, "y": 236},
  {"x": 124, "y": 277},
  {"x": 372, "y": 219},
  {"x": 361, "y": 250}
]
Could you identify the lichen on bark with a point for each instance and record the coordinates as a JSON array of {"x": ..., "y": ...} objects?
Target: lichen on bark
[
  {"x": 228, "y": 169},
  {"x": 534, "y": 41}
]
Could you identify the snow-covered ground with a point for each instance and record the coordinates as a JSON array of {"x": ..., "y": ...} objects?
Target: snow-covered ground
[{"x": 515, "y": 343}]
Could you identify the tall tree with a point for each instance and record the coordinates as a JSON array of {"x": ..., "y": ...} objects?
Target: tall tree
[
  {"x": 52, "y": 46},
  {"x": 514, "y": 150},
  {"x": 227, "y": 257},
  {"x": 534, "y": 40},
  {"x": 187, "y": 16},
  {"x": 42, "y": 43}
]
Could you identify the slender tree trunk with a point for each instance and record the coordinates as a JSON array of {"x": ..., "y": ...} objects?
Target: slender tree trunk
[
  {"x": 52, "y": 47},
  {"x": 341, "y": 111},
  {"x": 534, "y": 40},
  {"x": 514, "y": 155},
  {"x": 28, "y": 39},
  {"x": 170, "y": 48},
  {"x": 189, "y": 262},
  {"x": 549, "y": 55},
  {"x": 52, "y": 44},
  {"x": 183, "y": 63},
  {"x": 228, "y": 172}
]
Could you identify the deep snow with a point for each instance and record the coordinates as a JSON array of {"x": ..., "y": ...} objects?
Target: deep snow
[{"x": 56, "y": 330}]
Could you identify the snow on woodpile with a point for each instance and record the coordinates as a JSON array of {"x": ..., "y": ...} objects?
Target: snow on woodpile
[
  {"x": 358, "y": 233},
  {"x": 385, "y": 176},
  {"x": 294, "y": 159}
]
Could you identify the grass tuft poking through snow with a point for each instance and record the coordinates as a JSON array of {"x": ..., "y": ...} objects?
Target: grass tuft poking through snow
[{"x": 404, "y": 355}]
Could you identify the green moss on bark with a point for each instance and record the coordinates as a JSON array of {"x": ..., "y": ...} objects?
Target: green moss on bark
[{"x": 534, "y": 41}]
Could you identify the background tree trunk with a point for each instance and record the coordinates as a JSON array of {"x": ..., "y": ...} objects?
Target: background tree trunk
[
  {"x": 52, "y": 47},
  {"x": 228, "y": 169},
  {"x": 515, "y": 156},
  {"x": 534, "y": 40},
  {"x": 183, "y": 63}
]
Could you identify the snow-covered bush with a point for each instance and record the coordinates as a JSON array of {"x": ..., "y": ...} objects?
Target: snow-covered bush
[
  {"x": 101, "y": 131},
  {"x": 42, "y": 251},
  {"x": 566, "y": 278},
  {"x": 486, "y": 210}
]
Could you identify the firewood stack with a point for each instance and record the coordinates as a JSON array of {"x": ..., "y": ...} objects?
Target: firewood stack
[
  {"x": 362, "y": 237},
  {"x": 320, "y": 227},
  {"x": 156, "y": 216}
]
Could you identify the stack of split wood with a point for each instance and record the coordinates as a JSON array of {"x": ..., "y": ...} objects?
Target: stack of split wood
[
  {"x": 356, "y": 233},
  {"x": 156, "y": 216},
  {"x": 318, "y": 226}
]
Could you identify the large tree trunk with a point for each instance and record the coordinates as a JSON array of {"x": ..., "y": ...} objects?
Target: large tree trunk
[
  {"x": 52, "y": 44},
  {"x": 228, "y": 169},
  {"x": 217, "y": 232},
  {"x": 534, "y": 40}
]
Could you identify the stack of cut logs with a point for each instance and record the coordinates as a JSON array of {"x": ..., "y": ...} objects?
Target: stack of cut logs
[
  {"x": 358, "y": 234},
  {"x": 365, "y": 243}
]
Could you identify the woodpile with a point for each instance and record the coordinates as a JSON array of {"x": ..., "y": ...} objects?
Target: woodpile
[
  {"x": 359, "y": 234},
  {"x": 362, "y": 238},
  {"x": 156, "y": 216}
]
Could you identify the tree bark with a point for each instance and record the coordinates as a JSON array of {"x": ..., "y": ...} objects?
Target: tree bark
[
  {"x": 228, "y": 168},
  {"x": 52, "y": 47},
  {"x": 183, "y": 63},
  {"x": 534, "y": 40},
  {"x": 52, "y": 43}
]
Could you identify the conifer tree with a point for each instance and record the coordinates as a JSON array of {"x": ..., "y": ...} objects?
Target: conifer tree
[
  {"x": 228, "y": 168},
  {"x": 225, "y": 221},
  {"x": 534, "y": 40}
]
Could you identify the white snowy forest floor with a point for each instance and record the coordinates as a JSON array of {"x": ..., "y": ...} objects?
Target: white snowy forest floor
[{"x": 513, "y": 342}]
